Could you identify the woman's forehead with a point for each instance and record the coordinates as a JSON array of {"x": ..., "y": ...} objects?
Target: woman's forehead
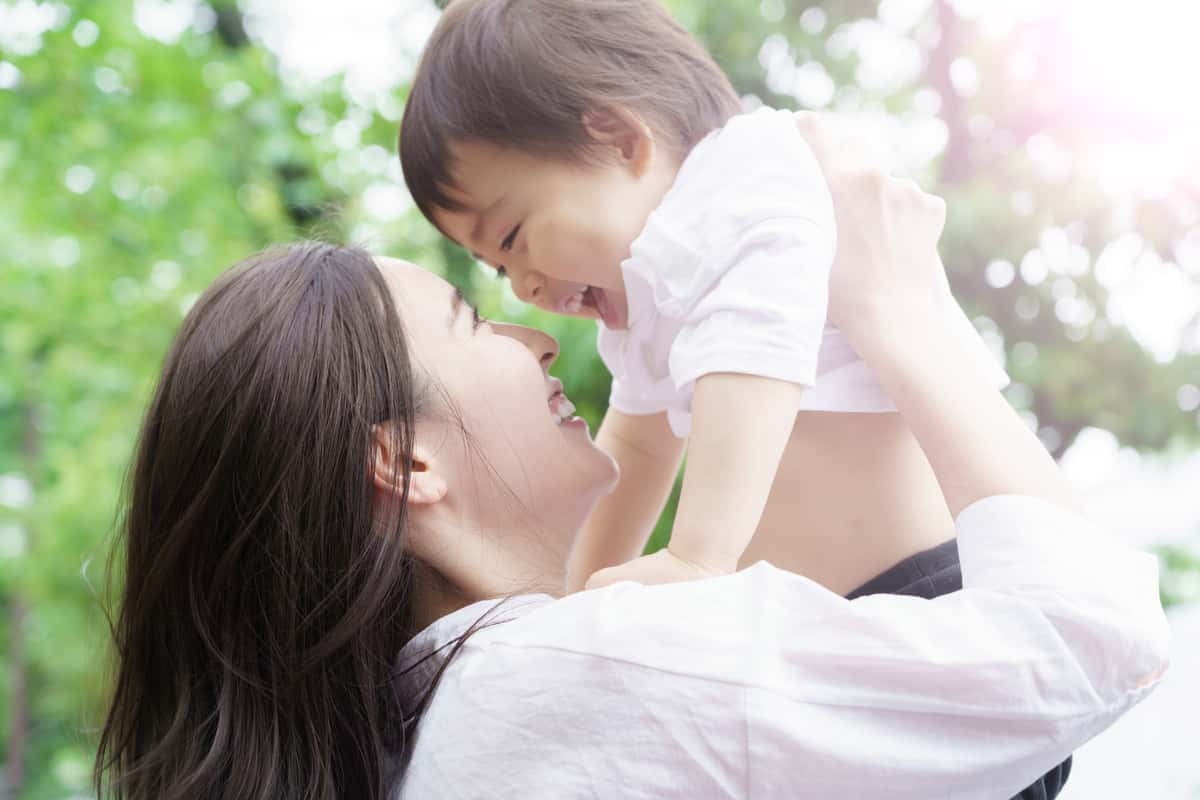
[
  {"x": 407, "y": 279},
  {"x": 422, "y": 297}
]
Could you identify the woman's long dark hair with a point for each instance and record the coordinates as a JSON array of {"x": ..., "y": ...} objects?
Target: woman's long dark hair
[{"x": 263, "y": 603}]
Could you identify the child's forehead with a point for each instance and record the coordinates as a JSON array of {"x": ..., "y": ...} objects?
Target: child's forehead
[
  {"x": 477, "y": 175},
  {"x": 470, "y": 162},
  {"x": 462, "y": 218}
]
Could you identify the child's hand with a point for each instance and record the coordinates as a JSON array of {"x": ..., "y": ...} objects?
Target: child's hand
[{"x": 661, "y": 567}]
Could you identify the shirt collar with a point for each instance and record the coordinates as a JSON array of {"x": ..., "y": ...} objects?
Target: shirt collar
[{"x": 421, "y": 658}]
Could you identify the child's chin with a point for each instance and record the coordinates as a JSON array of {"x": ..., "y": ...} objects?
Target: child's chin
[{"x": 606, "y": 310}]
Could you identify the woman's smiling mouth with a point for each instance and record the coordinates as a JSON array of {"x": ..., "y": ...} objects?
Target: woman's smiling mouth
[{"x": 562, "y": 409}]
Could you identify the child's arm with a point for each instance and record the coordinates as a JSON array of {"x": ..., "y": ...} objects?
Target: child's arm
[
  {"x": 741, "y": 425},
  {"x": 648, "y": 455},
  {"x": 747, "y": 273}
]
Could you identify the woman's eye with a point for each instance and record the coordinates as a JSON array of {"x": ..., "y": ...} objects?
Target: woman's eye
[
  {"x": 501, "y": 272},
  {"x": 507, "y": 244}
]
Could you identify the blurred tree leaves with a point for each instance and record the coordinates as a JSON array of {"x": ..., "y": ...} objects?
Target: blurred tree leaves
[{"x": 132, "y": 171}]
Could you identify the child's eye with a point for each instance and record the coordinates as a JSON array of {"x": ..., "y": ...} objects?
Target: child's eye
[
  {"x": 501, "y": 272},
  {"x": 507, "y": 244}
]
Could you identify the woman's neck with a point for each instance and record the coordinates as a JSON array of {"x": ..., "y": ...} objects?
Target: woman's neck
[
  {"x": 433, "y": 597},
  {"x": 464, "y": 568}
]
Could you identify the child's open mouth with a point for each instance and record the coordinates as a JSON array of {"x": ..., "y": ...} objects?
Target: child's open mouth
[{"x": 593, "y": 302}]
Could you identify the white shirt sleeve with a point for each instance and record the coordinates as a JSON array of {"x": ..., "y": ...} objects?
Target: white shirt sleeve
[
  {"x": 764, "y": 684},
  {"x": 630, "y": 393},
  {"x": 740, "y": 252},
  {"x": 766, "y": 314}
]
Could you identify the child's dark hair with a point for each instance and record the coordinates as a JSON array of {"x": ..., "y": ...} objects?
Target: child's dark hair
[{"x": 523, "y": 74}]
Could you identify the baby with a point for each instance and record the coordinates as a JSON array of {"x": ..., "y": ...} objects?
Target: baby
[{"x": 593, "y": 153}]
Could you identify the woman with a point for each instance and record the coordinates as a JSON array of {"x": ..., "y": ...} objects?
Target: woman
[{"x": 342, "y": 463}]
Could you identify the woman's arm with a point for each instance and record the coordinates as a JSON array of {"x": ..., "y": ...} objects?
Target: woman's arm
[
  {"x": 765, "y": 681},
  {"x": 884, "y": 295}
]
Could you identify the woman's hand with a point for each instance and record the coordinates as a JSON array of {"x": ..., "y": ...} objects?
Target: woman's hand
[
  {"x": 887, "y": 267},
  {"x": 884, "y": 296}
]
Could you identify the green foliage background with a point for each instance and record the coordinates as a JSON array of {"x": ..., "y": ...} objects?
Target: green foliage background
[{"x": 132, "y": 171}]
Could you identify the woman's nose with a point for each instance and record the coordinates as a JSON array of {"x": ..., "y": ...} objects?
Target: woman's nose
[{"x": 543, "y": 346}]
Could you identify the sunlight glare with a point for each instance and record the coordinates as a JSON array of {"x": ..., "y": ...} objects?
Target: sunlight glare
[{"x": 1141, "y": 57}]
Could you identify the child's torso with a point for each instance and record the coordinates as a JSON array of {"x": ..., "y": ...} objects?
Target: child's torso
[{"x": 853, "y": 496}]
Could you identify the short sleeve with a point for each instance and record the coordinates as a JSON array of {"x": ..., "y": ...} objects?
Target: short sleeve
[
  {"x": 629, "y": 398},
  {"x": 766, "y": 314},
  {"x": 634, "y": 390},
  {"x": 739, "y": 254}
]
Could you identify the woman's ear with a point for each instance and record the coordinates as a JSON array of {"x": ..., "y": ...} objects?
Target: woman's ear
[
  {"x": 426, "y": 484},
  {"x": 627, "y": 132}
]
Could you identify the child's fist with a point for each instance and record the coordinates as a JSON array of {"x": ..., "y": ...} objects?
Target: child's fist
[{"x": 661, "y": 567}]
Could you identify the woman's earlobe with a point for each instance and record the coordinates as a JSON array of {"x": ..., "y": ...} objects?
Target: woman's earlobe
[{"x": 425, "y": 484}]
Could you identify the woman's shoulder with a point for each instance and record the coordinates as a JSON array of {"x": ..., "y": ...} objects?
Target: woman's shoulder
[
  {"x": 620, "y": 687},
  {"x": 707, "y": 629},
  {"x": 545, "y": 704}
]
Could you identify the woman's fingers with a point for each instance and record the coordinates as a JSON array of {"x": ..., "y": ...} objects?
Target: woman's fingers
[
  {"x": 887, "y": 227},
  {"x": 841, "y": 144}
]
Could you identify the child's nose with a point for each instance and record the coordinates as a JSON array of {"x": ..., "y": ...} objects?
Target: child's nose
[{"x": 530, "y": 287}]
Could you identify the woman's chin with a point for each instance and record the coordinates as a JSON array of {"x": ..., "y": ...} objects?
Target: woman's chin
[
  {"x": 601, "y": 468},
  {"x": 613, "y": 472}
]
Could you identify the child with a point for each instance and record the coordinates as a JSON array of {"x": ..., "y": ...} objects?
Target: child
[{"x": 593, "y": 153}]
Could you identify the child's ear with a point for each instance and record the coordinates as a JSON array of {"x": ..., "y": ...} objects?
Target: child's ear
[
  {"x": 426, "y": 483},
  {"x": 627, "y": 132}
]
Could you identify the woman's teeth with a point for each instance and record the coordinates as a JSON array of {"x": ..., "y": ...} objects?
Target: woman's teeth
[{"x": 562, "y": 408}]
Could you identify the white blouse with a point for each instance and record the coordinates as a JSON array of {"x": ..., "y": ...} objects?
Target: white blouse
[
  {"x": 763, "y": 684},
  {"x": 731, "y": 274}
]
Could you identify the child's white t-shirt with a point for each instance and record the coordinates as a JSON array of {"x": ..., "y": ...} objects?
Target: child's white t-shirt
[{"x": 731, "y": 274}]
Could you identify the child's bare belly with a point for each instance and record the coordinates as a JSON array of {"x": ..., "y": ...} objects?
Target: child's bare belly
[{"x": 853, "y": 496}]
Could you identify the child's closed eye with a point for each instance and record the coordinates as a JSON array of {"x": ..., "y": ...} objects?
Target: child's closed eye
[{"x": 507, "y": 244}]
